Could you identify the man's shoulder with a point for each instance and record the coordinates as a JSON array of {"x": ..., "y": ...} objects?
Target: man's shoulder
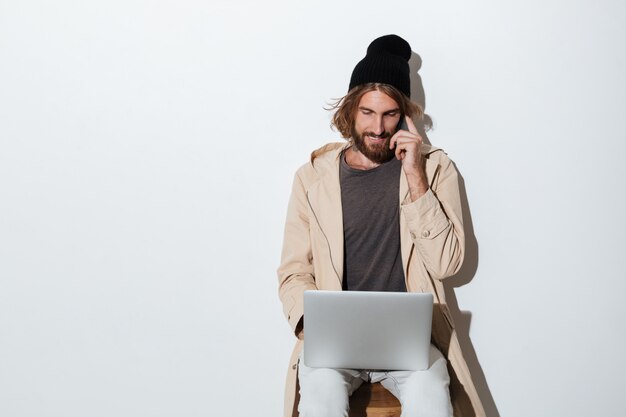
[
  {"x": 330, "y": 151},
  {"x": 435, "y": 154},
  {"x": 323, "y": 160}
]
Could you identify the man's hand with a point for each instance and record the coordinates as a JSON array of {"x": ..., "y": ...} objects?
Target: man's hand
[{"x": 408, "y": 146}]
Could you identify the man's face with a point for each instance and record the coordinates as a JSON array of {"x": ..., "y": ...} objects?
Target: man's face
[{"x": 376, "y": 120}]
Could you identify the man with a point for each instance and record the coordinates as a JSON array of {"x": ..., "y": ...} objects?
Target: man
[{"x": 381, "y": 212}]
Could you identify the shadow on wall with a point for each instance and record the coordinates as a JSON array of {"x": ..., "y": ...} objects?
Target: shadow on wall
[
  {"x": 461, "y": 319},
  {"x": 424, "y": 124}
]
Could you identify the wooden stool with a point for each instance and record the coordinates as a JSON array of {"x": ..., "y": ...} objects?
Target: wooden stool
[{"x": 373, "y": 400}]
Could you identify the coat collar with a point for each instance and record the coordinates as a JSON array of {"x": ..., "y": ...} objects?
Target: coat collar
[{"x": 324, "y": 197}]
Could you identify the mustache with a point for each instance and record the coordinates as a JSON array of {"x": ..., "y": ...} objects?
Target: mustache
[{"x": 383, "y": 135}]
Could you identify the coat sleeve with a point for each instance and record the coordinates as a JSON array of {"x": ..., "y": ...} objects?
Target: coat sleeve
[
  {"x": 435, "y": 222},
  {"x": 296, "y": 273}
]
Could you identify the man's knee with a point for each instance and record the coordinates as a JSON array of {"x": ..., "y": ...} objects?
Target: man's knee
[
  {"x": 324, "y": 392},
  {"x": 427, "y": 393},
  {"x": 433, "y": 401}
]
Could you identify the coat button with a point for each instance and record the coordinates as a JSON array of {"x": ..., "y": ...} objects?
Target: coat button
[
  {"x": 294, "y": 366},
  {"x": 412, "y": 235},
  {"x": 425, "y": 233}
]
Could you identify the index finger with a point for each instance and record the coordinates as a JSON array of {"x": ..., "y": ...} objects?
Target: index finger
[{"x": 411, "y": 125}]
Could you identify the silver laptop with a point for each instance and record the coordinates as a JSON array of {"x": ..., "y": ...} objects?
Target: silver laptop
[{"x": 367, "y": 330}]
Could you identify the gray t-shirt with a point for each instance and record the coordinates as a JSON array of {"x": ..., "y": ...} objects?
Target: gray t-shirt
[{"x": 371, "y": 227}]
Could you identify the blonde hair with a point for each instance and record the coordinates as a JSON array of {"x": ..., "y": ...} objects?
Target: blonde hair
[{"x": 346, "y": 107}]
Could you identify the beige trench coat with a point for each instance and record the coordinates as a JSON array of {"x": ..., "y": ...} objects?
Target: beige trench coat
[{"x": 432, "y": 245}]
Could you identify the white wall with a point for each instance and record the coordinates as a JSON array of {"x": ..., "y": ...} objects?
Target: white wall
[{"x": 146, "y": 154}]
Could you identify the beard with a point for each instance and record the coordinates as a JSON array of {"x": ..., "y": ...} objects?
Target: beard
[{"x": 375, "y": 152}]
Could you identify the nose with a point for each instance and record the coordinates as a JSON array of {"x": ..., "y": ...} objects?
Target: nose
[{"x": 378, "y": 126}]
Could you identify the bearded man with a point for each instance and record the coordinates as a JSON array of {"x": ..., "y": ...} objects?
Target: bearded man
[{"x": 380, "y": 212}]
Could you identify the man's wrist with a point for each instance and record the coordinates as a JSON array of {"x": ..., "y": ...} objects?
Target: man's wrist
[{"x": 418, "y": 185}]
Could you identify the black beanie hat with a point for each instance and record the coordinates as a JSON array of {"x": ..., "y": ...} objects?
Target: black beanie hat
[{"x": 387, "y": 62}]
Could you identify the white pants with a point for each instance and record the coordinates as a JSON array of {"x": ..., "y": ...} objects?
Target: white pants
[{"x": 325, "y": 392}]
